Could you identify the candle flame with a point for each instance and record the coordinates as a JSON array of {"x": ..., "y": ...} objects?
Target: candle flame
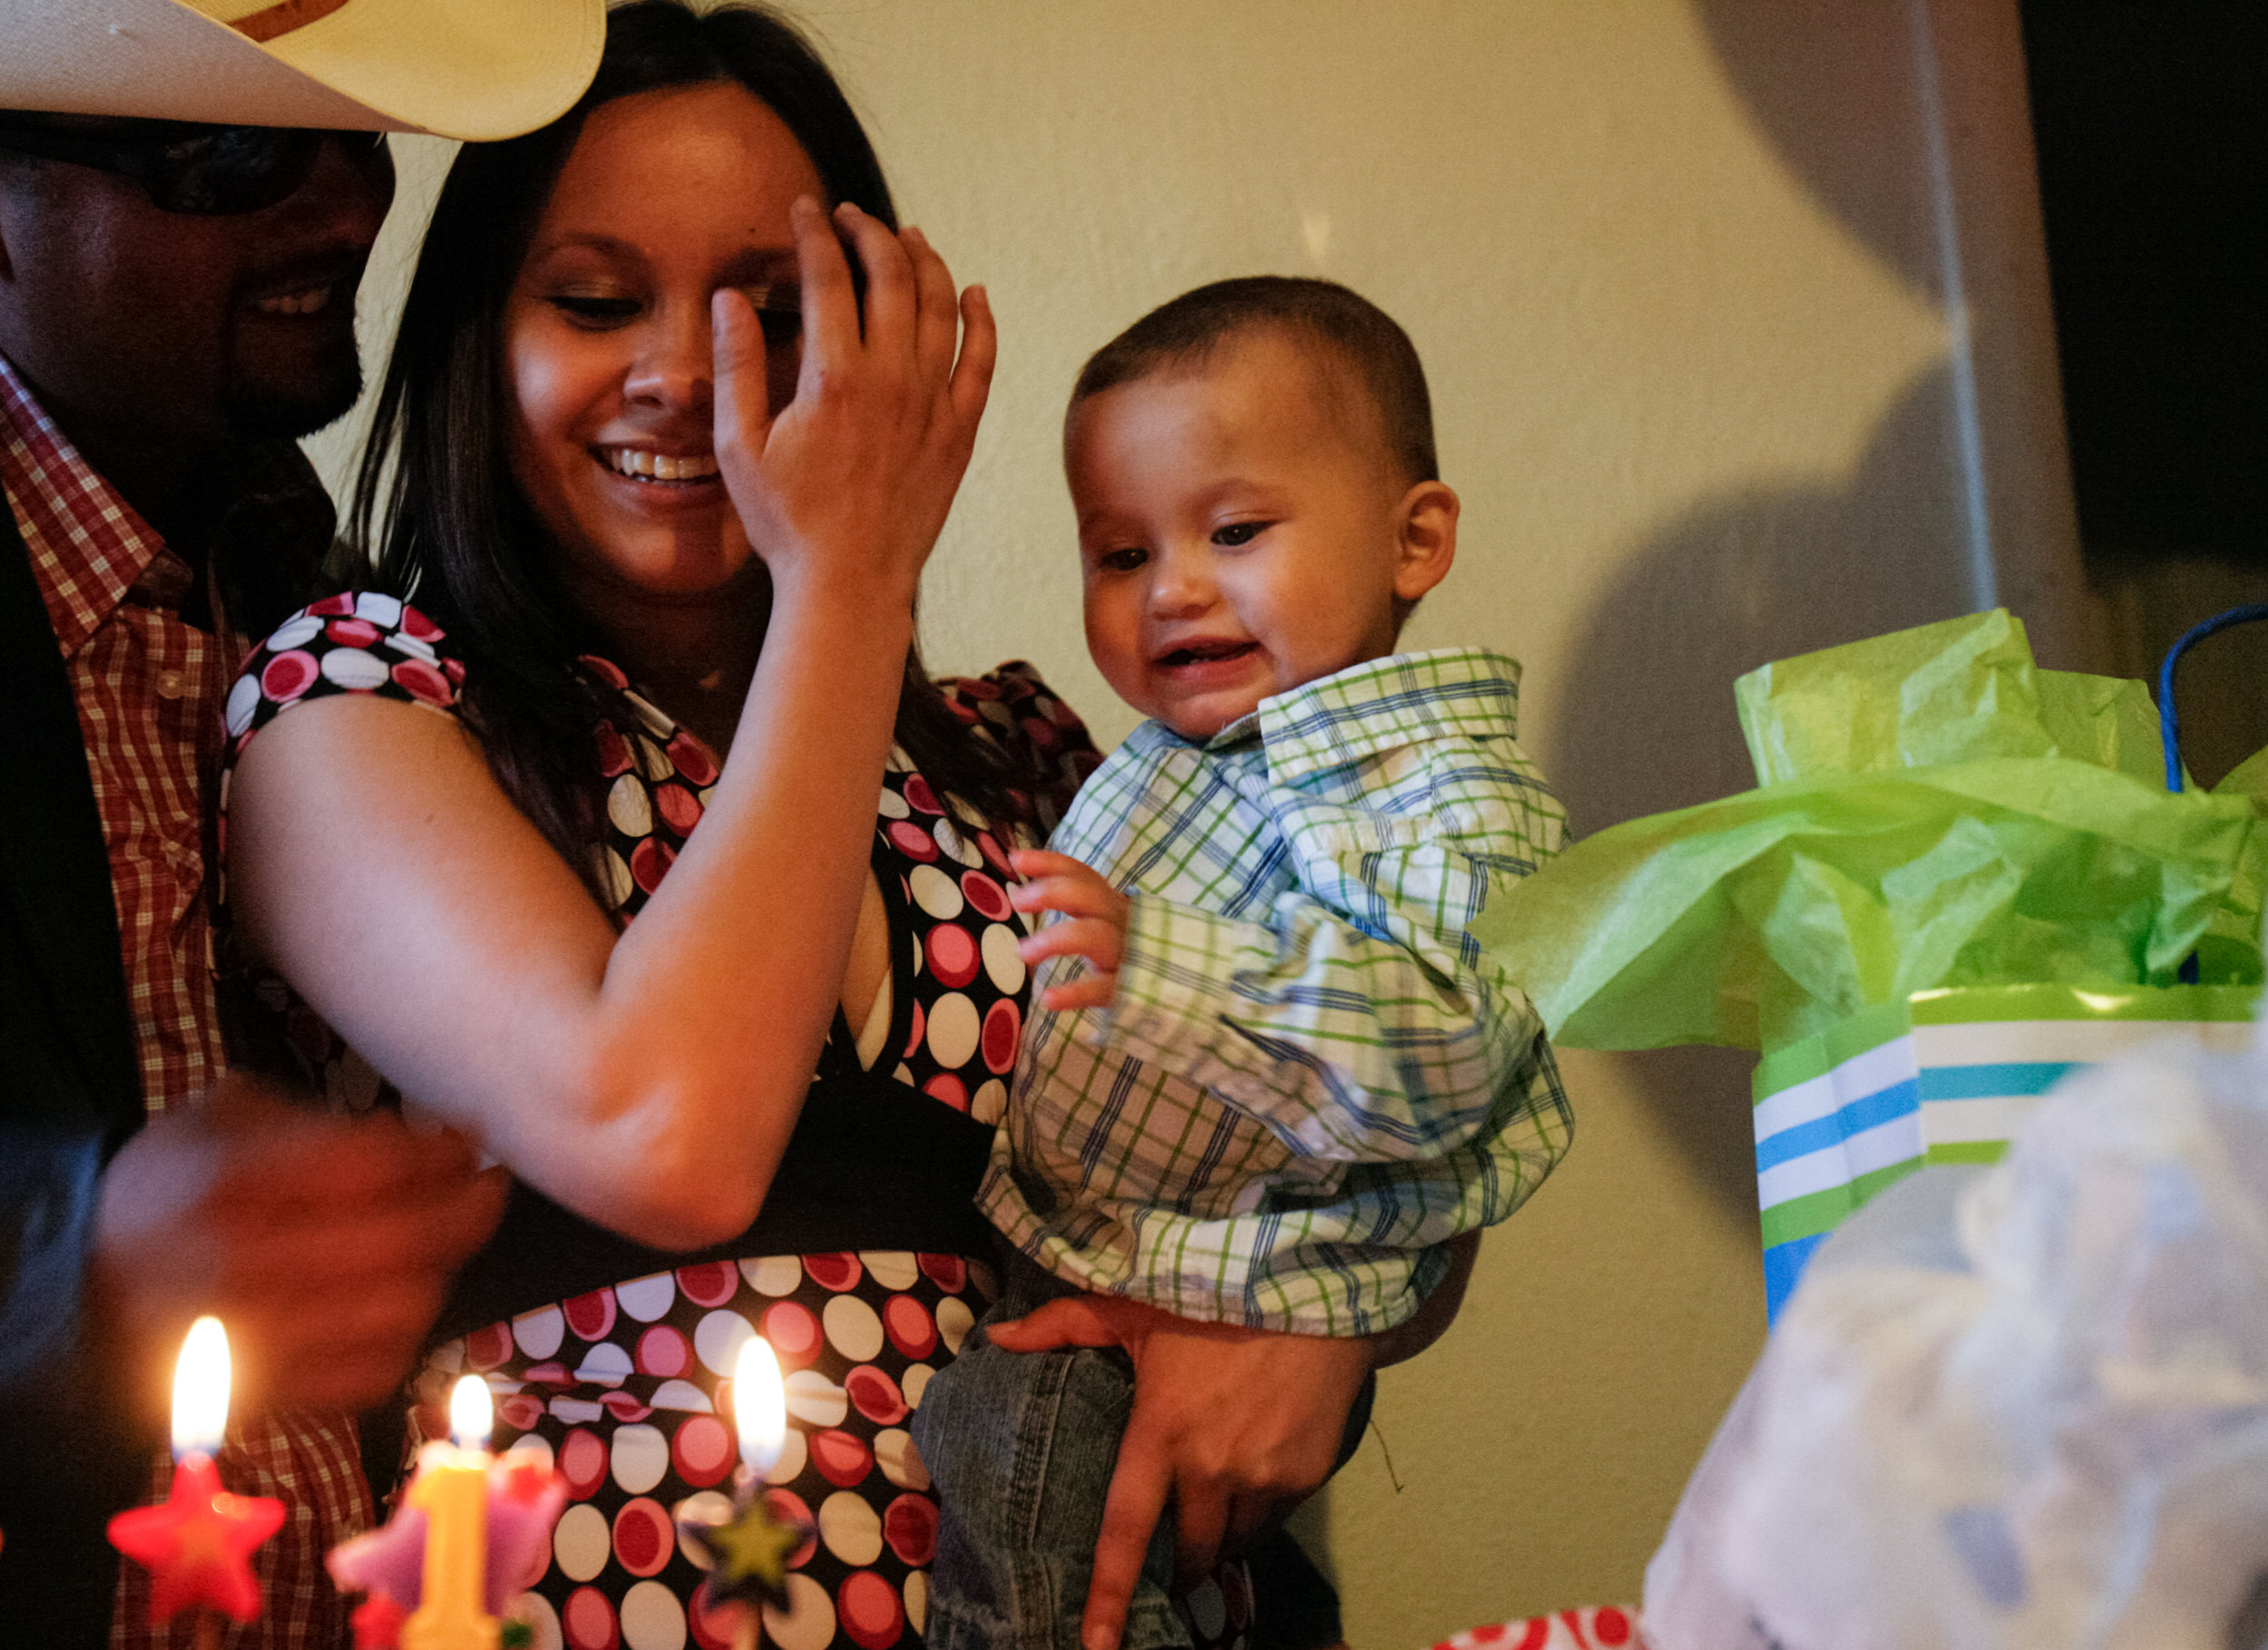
[
  {"x": 760, "y": 1406},
  {"x": 471, "y": 1414},
  {"x": 200, "y": 1390}
]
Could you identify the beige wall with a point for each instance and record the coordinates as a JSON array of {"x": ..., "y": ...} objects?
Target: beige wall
[{"x": 1678, "y": 269}]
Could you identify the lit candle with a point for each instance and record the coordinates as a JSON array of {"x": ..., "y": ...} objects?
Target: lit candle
[
  {"x": 198, "y": 1545},
  {"x": 452, "y": 1490},
  {"x": 749, "y": 1551}
]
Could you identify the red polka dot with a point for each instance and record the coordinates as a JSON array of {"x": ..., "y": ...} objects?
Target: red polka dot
[
  {"x": 287, "y": 676},
  {"x": 793, "y": 1329},
  {"x": 591, "y": 1315},
  {"x": 953, "y": 955},
  {"x": 869, "y": 1611},
  {"x": 842, "y": 1460},
  {"x": 582, "y": 1462},
  {"x": 875, "y": 1395},
  {"x": 681, "y": 809},
  {"x": 790, "y": 1507},
  {"x": 988, "y": 896},
  {"x": 909, "y": 1525},
  {"x": 332, "y": 606},
  {"x": 835, "y": 1271},
  {"x": 950, "y": 1089},
  {"x": 588, "y": 1621},
  {"x": 921, "y": 1025},
  {"x": 352, "y": 632},
  {"x": 551, "y": 1372},
  {"x": 454, "y": 669},
  {"x": 715, "y": 1625},
  {"x": 1610, "y": 1626},
  {"x": 519, "y": 1412},
  {"x": 605, "y": 671},
  {"x": 613, "y": 750},
  {"x": 643, "y": 1539},
  {"x": 912, "y": 840},
  {"x": 1003, "y": 1025},
  {"x": 1043, "y": 733},
  {"x": 623, "y": 1406},
  {"x": 988, "y": 845},
  {"x": 424, "y": 681},
  {"x": 691, "y": 758},
  {"x": 417, "y": 626},
  {"x": 650, "y": 861},
  {"x": 976, "y": 688},
  {"x": 702, "y": 1450},
  {"x": 484, "y": 1349},
  {"x": 710, "y": 1283},
  {"x": 950, "y": 1273},
  {"x": 918, "y": 794},
  {"x": 665, "y": 1351},
  {"x": 910, "y": 1327}
]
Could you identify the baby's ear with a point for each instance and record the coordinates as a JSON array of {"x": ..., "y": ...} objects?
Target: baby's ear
[{"x": 1426, "y": 539}]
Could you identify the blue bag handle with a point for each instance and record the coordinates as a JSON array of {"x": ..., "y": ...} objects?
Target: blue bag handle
[{"x": 2169, "y": 721}]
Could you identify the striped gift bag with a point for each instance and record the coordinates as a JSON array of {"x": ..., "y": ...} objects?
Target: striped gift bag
[{"x": 1943, "y": 1076}]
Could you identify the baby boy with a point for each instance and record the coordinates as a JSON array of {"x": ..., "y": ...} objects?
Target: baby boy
[{"x": 1268, "y": 1075}]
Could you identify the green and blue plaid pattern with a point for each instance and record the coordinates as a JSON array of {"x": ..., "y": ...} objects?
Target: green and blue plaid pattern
[{"x": 1311, "y": 1077}]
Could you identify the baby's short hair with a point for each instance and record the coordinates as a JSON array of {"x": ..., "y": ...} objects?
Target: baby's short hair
[{"x": 1365, "y": 340}]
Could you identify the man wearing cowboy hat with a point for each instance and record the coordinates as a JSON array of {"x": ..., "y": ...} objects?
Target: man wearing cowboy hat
[{"x": 189, "y": 190}]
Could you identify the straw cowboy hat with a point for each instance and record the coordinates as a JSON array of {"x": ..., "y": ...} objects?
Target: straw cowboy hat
[{"x": 462, "y": 68}]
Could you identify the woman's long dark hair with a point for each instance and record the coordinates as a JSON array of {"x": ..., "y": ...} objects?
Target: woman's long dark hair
[{"x": 435, "y": 499}]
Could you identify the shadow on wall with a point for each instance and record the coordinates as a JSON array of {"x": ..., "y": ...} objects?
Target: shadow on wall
[{"x": 1733, "y": 584}]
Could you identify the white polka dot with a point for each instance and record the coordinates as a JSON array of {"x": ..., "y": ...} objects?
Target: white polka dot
[
  {"x": 605, "y": 1363},
  {"x": 917, "y": 1599},
  {"x": 640, "y": 1455},
  {"x": 851, "y": 1528},
  {"x": 717, "y": 1340},
  {"x": 539, "y": 1333},
  {"x": 808, "y": 1621},
  {"x": 656, "y": 719},
  {"x": 353, "y": 669},
  {"x": 534, "y": 1447},
  {"x": 956, "y": 846},
  {"x": 900, "y": 1461},
  {"x": 648, "y": 1299},
  {"x": 581, "y": 1542},
  {"x": 614, "y": 875},
  {"x": 953, "y": 1030},
  {"x": 955, "y": 1320},
  {"x": 773, "y": 1274},
  {"x": 794, "y": 1456},
  {"x": 852, "y": 1328},
  {"x": 988, "y": 1104},
  {"x": 653, "y": 761},
  {"x": 815, "y": 1400},
  {"x": 448, "y": 1358},
  {"x": 1002, "y": 963},
  {"x": 892, "y": 806},
  {"x": 243, "y": 700},
  {"x": 628, "y": 805},
  {"x": 543, "y": 1622},
  {"x": 576, "y": 1411},
  {"x": 409, "y": 646},
  {"x": 891, "y": 1268},
  {"x": 378, "y": 608},
  {"x": 681, "y": 1395},
  {"x": 914, "y": 1383},
  {"x": 702, "y": 1507},
  {"x": 934, "y": 891},
  {"x": 1207, "y": 1606},
  {"x": 652, "y": 1618},
  {"x": 295, "y": 633}
]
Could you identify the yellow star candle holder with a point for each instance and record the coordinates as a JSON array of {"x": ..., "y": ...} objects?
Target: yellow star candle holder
[{"x": 750, "y": 1551}]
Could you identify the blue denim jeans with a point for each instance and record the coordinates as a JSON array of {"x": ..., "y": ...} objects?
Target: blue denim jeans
[{"x": 1021, "y": 1446}]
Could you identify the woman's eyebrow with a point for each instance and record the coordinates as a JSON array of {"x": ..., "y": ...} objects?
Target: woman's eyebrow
[{"x": 758, "y": 265}]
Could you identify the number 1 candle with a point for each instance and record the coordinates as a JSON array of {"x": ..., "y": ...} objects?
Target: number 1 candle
[
  {"x": 197, "y": 1544},
  {"x": 452, "y": 1490}
]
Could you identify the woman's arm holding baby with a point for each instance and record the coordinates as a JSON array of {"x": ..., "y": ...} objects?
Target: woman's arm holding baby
[{"x": 1235, "y": 1426}]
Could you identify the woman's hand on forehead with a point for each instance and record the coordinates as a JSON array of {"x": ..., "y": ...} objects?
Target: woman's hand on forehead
[{"x": 848, "y": 487}]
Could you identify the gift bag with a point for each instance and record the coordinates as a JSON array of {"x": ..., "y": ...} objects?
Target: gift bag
[{"x": 1947, "y": 844}]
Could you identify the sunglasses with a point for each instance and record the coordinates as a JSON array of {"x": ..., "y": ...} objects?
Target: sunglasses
[{"x": 186, "y": 167}]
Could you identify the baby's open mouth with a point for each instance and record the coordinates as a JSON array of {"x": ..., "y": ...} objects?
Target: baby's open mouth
[
  {"x": 658, "y": 468},
  {"x": 1206, "y": 653}
]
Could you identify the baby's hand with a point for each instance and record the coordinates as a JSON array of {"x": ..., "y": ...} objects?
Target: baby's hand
[{"x": 1094, "y": 926}]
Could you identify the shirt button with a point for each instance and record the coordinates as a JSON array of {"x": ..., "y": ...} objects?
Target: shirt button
[{"x": 170, "y": 684}]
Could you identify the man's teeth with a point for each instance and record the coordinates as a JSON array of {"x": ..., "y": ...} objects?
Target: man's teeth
[
  {"x": 661, "y": 466},
  {"x": 296, "y": 303}
]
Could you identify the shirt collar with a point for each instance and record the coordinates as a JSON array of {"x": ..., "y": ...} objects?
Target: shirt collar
[{"x": 1369, "y": 708}]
